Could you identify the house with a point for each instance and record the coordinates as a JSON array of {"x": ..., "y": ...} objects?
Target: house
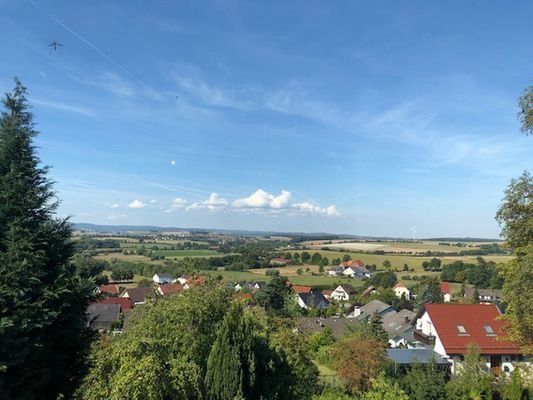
[
  {"x": 249, "y": 285},
  {"x": 368, "y": 291},
  {"x": 357, "y": 272},
  {"x": 373, "y": 307},
  {"x": 400, "y": 290},
  {"x": 108, "y": 289},
  {"x": 451, "y": 328},
  {"x": 343, "y": 292},
  {"x": 404, "y": 358},
  {"x": 301, "y": 289},
  {"x": 399, "y": 328},
  {"x": 102, "y": 316},
  {"x": 327, "y": 294},
  {"x": 162, "y": 279},
  {"x": 312, "y": 300},
  {"x": 336, "y": 271},
  {"x": 170, "y": 289},
  {"x": 137, "y": 295},
  {"x": 485, "y": 296},
  {"x": 124, "y": 303},
  {"x": 445, "y": 291},
  {"x": 340, "y": 327},
  {"x": 182, "y": 280}
]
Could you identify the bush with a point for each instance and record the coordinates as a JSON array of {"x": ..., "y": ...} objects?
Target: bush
[
  {"x": 406, "y": 277},
  {"x": 272, "y": 272}
]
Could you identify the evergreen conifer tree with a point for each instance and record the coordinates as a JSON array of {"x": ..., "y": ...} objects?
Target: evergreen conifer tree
[
  {"x": 231, "y": 363},
  {"x": 44, "y": 336}
]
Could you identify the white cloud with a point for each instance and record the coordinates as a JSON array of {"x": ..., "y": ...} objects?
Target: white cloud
[
  {"x": 213, "y": 203},
  {"x": 136, "y": 204},
  {"x": 178, "y": 203},
  {"x": 262, "y": 199},
  {"x": 308, "y": 208},
  {"x": 173, "y": 162},
  {"x": 115, "y": 205},
  {"x": 153, "y": 201}
]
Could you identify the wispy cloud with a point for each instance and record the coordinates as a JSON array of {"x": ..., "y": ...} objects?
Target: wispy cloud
[{"x": 56, "y": 105}]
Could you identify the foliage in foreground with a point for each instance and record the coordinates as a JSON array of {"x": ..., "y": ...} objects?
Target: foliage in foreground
[
  {"x": 200, "y": 346},
  {"x": 44, "y": 337}
]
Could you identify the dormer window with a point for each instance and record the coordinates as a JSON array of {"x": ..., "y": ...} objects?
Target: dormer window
[
  {"x": 462, "y": 331},
  {"x": 489, "y": 331}
]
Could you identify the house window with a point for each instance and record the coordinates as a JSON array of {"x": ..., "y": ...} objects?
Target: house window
[
  {"x": 462, "y": 330},
  {"x": 489, "y": 331}
]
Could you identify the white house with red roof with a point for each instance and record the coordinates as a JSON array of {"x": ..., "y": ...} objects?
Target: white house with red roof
[
  {"x": 451, "y": 328},
  {"x": 445, "y": 291},
  {"x": 401, "y": 290}
]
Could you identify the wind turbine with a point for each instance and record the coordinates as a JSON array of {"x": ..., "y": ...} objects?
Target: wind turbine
[{"x": 413, "y": 230}]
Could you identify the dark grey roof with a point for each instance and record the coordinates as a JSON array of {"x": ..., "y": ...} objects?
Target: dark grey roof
[
  {"x": 347, "y": 288},
  {"x": 374, "y": 307},
  {"x": 314, "y": 299},
  {"x": 398, "y": 324},
  {"x": 138, "y": 294},
  {"x": 411, "y": 356},
  {"x": 100, "y": 316},
  {"x": 164, "y": 275},
  {"x": 340, "y": 327}
]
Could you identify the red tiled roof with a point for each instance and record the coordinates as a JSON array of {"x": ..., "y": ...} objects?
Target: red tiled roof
[
  {"x": 398, "y": 285},
  {"x": 242, "y": 296},
  {"x": 473, "y": 317},
  {"x": 112, "y": 289},
  {"x": 123, "y": 302},
  {"x": 302, "y": 289},
  {"x": 327, "y": 292},
  {"x": 353, "y": 263},
  {"x": 171, "y": 288},
  {"x": 196, "y": 280},
  {"x": 445, "y": 287}
]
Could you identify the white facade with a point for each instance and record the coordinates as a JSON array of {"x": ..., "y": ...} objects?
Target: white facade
[
  {"x": 340, "y": 294},
  {"x": 349, "y": 272},
  {"x": 161, "y": 279},
  {"x": 401, "y": 290}
]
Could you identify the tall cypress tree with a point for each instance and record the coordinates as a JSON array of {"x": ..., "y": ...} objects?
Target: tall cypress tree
[
  {"x": 231, "y": 363},
  {"x": 43, "y": 332}
]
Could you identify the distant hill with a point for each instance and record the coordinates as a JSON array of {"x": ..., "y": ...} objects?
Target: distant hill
[{"x": 298, "y": 236}]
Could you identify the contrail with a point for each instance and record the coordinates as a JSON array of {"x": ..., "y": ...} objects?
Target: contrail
[{"x": 91, "y": 45}]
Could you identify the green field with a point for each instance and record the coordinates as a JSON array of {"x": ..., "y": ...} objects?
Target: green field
[
  {"x": 187, "y": 253},
  {"x": 399, "y": 260}
]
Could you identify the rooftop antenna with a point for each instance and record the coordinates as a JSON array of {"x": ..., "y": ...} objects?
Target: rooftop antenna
[{"x": 413, "y": 230}]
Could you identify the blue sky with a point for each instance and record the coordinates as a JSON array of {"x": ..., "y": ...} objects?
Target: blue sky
[{"x": 347, "y": 117}]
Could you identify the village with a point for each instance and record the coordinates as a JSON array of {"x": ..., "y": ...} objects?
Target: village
[{"x": 439, "y": 332}]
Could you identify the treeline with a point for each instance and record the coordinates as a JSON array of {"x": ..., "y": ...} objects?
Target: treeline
[
  {"x": 482, "y": 274},
  {"x": 89, "y": 243}
]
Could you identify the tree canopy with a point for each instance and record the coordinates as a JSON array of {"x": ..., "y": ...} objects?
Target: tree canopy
[{"x": 44, "y": 336}]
